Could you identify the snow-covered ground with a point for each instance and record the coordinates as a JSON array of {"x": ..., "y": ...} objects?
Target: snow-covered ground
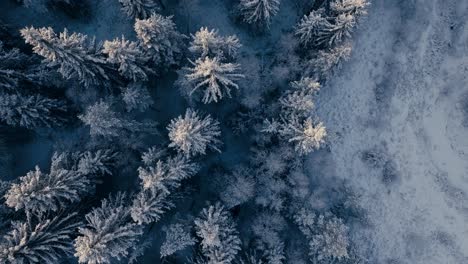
[{"x": 403, "y": 91}]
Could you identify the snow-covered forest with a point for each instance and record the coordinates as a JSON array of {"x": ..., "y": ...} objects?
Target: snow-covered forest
[{"x": 234, "y": 131}]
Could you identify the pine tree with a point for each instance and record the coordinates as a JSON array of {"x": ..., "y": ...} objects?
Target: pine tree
[
  {"x": 70, "y": 177},
  {"x": 9, "y": 74},
  {"x": 267, "y": 227},
  {"x": 213, "y": 76},
  {"x": 158, "y": 180},
  {"x": 240, "y": 187},
  {"x": 300, "y": 99},
  {"x": 160, "y": 39},
  {"x": 327, "y": 235},
  {"x": 323, "y": 64},
  {"x": 219, "y": 238},
  {"x": 74, "y": 54},
  {"x": 95, "y": 163},
  {"x": 152, "y": 155},
  {"x": 31, "y": 111},
  {"x": 137, "y": 97},
  {"x": 38, "y": 192},
  {"x": 46, "y": 242},
  {"x": 251, "y": 258},
  {"x": 311, "y": 26},
  {"x": 166, "y": 176},
  {"x": 149, "y": 205},
  {"x": 208, "y": 43},
  {"x": 297, "y": 124},
  {"x": 328, "y": 29},
  {"x": 139, "y": 8},
  {"x": 306, "y": 136},
  {"x": 259, "y": 12},
  {"x": 103, "y": 121},
  {"x": 128, "y": 55},
  {"x": 353, "y": 7},
  {"x": 335, "y": 33},
  {"x": 192, "y": 135},
  {"x": 177, "y": 238},
  {"x": 108, "y": 234},
  {"x": 19, "y": 71}
]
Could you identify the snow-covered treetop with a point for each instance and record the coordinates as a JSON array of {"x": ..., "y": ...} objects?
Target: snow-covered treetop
[
  {"x": 108, "y": 234},
  {"x": 103, "y": 121},
  {"x": 327, "y": 235},
  {"x": 212, "y": 76},
  {"x": 353, "y": 7},
  {"x": 139, "y": 8},
  {"x": 75, "y": 55},
  {"x": 300, "y": 99},
  {"x": 159, "y": 178},
  {"x": 219, "y": 238},
  {"x": 208, "y": 43},
  {"x": 259, "y": 11},
  {"x": 160, "y": 38},
  {"x": 130, "y": 58},
  {"x": 48, "y": 241},
  {"x": 192, "y": 135},
  {"x": 306, "y": 136},
  {"x": 39, "y": 192},
  {"x": 31, "y": 111},
  {"x": 165, "y": 173},
  {"x": 177, "y": 238},
  {"x": 136, "y": 97},
  {"x": 323, "y": 64},
  {"x": 70, "y": 177},
  {"x": 310, "y": 26}
]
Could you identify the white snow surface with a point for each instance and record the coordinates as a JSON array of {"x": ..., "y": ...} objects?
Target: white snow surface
[{"x": 415, "y": 54}]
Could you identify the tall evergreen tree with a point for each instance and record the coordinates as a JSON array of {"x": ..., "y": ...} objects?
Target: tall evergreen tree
[
  {"x": 31, "y": 111},
  {"x": 73, "y": 54}
]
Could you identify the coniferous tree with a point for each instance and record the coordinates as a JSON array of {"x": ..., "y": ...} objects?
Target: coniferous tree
[
  {"x": 103, "y": 121},
  {"x": 208, "y": 43},
  {"x": 158, "y": 180},
  {"x": 259, "y": 12},
  {"x": 31, "y": 111},
  {"x": 327, "y": 235},
  {"x": 310, "y": 27},
  {"x": 240, "y": 187},
  {"x": 139, "y": 8},
  {"x": 192, "y": 135},
  {"x": 10, "y": 75},
  {"x": 353, "y": 7},
  {"x": 220, "y": 241},
  {"x": 136, "y": 97},
  {"x": 47, "y": 241},
  {"x": 325, "y": 61},
  {"x": 297, "y": 124},
  {"x": 299, "y": 100},
  {"x": 39, "y": 192},
  {"x": 306, "y": 136},
  {"x": 177, "y": 238},
  {"x": 128, "y": 55},
  {"x": 68, "y": 180},
  {"x": 74, "y": 55},
  {"x": 327, "y": 29},
  {"x": 336, "y": 32},
  {"x": 108, "y": 234},
  {"x": 160, "y": 39},
  {"x": 212, "y": 76}
]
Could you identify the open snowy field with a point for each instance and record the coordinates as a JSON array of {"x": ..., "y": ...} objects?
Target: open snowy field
[{"x": 405, "y": 91}]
